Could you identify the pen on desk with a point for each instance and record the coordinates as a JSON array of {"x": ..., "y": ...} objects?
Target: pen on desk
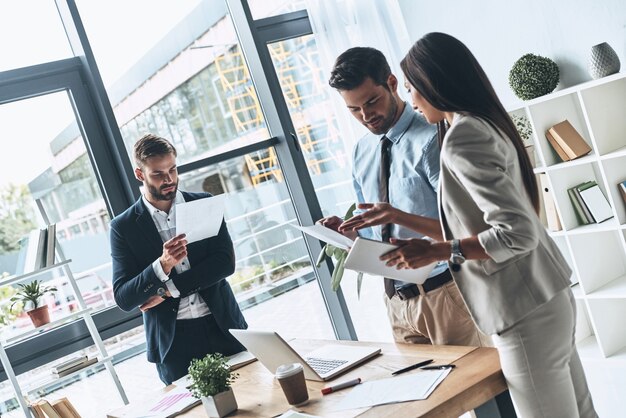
[
  {"x": 340, "y": 386},
  {"x": 439, "y": 367},
  {"x": 414, "y": 366}
]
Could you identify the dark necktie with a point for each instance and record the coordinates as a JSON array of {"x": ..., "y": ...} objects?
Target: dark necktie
[{"x": 383, "y": 194}]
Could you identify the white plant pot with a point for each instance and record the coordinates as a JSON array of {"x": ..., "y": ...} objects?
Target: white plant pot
[{"x": 220, "y": 405}]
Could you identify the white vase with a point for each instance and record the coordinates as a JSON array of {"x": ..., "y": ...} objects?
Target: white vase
[{"x": 220, "y": 405}]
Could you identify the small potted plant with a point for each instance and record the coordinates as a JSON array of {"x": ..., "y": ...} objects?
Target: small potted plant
[
  {"x": 31, "y": 293},
  {"x": 211, "y": 379},
  {"x": 525, "y": 130}
]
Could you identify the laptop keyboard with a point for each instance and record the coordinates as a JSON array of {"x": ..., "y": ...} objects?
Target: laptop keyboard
[{"x": 323, "y": 365}]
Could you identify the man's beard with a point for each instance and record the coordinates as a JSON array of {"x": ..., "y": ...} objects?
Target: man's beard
[
  {"x": 387, "y": 120},
  {"x": 157, "y": 195}
]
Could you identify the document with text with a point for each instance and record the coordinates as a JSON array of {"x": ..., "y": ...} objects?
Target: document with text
[
  {"x": 411, "y": 387},
  {"x": 201, "y": 218}
]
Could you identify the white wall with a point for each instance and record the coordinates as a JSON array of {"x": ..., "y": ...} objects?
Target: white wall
[{"x": 499, "y": 32}]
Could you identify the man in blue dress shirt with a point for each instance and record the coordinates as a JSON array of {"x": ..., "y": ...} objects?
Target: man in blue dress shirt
[{"x": 432, "y": 313}]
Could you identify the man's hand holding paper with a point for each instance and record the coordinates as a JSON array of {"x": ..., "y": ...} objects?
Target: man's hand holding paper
[{"x": 201, "y": 218}]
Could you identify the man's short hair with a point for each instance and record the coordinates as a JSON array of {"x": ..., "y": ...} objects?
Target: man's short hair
[
  {"x": 151, "y": 145},
  {"x": 356, "y": 64}
]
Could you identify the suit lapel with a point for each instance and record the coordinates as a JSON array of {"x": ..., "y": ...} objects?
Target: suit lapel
[{"x": 146, "y": 226}]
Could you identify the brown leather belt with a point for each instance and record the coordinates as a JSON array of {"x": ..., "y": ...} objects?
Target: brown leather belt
[{"x": 408, "y": 292}]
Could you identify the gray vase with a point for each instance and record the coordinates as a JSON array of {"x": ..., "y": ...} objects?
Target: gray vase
[{"x": 603, "y": 61}]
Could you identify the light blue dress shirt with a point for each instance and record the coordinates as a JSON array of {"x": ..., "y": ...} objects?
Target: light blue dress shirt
[{"x": 414, "y": 172}]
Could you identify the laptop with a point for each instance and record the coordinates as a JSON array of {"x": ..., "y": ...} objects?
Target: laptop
[{"x": 320, "y": 365}]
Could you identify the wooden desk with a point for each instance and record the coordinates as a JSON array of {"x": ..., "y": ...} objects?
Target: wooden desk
[{"x": 473, "y": 384}]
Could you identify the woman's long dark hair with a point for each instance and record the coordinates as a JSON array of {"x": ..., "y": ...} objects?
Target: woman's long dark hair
[{"x": 444, "y": 71}]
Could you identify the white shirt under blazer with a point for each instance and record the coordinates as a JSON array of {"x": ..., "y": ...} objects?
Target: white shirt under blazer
[{"x": 482, "y": 193}]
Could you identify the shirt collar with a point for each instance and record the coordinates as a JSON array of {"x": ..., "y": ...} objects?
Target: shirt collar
[
  {"x": 397, "y": 131},
  {"x": 179, "y": 199}
]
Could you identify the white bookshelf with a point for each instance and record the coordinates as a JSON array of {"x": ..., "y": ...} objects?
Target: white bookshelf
[
  {"x": 596, "y": 252},
  {"x": 85, "y": 313}
]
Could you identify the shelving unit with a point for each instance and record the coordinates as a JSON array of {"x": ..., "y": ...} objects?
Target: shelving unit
[
  {"x": 596, "y": 252},
  {"x": 84, "y": 312}
]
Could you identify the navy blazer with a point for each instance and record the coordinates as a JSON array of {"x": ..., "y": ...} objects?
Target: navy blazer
[{"x": 136, "y": 244}]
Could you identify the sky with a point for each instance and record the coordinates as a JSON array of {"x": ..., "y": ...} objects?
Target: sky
[{"x": 120, "y": 32}]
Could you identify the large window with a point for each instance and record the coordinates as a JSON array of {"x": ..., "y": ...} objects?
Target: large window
[{"x": 22, "y": 45}]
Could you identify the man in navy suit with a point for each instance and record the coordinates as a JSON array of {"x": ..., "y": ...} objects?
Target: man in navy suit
[{"x": 187, "y": 304}]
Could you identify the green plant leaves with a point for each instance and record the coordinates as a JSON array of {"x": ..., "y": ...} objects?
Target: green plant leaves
[
  {"x": 339, "y": 255},
  {"x": 210, "y": 375},
  {"x": 31, "y": 292},
  {"x": 533, "y": 76}
]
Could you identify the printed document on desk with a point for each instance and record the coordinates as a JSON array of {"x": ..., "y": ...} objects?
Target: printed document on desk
[
  {"x": 201, "y": 218},
  {"x": 412, "y": 387},
  {"x": 326, "y": 235},
  {"x": 364, "y": 258},
  {"x": 168, "y": 404}
]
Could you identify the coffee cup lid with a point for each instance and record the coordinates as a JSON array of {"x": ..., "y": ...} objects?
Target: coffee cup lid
[{"x": 287, "y": 370}]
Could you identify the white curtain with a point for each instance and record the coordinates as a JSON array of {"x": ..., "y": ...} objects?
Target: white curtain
[{"x": 342, "y": 24}]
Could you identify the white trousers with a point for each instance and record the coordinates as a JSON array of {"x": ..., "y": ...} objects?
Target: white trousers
[{"x": 541, "y": 365}]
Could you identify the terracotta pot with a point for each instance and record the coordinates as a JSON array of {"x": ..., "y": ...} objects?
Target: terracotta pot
[
  {"x": 220, "y": 405},
  {"x": 39, "y": 316}
]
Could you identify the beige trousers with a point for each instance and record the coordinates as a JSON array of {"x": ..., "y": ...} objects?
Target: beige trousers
[
  {"x": 541, "y": 365},
  {"x": 438, "y": 317}
]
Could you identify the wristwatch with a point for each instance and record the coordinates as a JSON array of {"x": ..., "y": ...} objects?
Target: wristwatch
[
  {"x": 162, "y": 292},
  {"x": 456, "y": 257}
]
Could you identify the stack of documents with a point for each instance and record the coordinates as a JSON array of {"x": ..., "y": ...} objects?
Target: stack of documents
[
  {"x": 411, "y": 387},
  {"x": 363, "y": 255}
]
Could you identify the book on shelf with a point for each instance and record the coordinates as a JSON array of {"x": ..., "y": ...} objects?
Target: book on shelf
[
  {"x": 567, "y": 142},
  {"x": 86, "y": 363},
  {"x": 552, "y": 217},
  {"x": 51, "y": 244},
  {"x": 64, "y": 408},
  {"x": 580, "y": 209},
  {"x": 36, "y": 410},
  {"x": 47, "y": 409},
  {"x": 596, "y": 202},
  {"x": 33, "y": 248},
  {"x": 69, "y": 363},
  {"x": 622, "y": 190},
  {"x": 590, "y": 204}
]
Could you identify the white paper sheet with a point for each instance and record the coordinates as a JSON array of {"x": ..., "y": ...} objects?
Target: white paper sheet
[
  {"x": 167, "y": 405},
  {"x": 364, "y": 257},
  {"x": 326, "y": 235},
  {"x": 411, "y": 387},
  {"x": 200, "y": 219}
]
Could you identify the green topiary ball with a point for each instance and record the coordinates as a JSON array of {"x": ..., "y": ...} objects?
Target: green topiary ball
[{"x": 533, "y": 76}]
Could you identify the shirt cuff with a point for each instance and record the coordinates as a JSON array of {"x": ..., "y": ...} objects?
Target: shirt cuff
[
  {"x": 158, "y": 270},
  {"x": 172, "y": 288}
]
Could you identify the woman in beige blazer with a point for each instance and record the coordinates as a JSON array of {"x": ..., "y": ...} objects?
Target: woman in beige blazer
[{"x": 511, "y": 274}]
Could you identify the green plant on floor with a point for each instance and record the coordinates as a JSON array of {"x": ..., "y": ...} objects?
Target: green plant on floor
[
  {"x": 533, "y": 76},
  {"x": 31, "y": 293},
  {"x": 339, "y": 255},
  {"x": 210, "y": 375}
]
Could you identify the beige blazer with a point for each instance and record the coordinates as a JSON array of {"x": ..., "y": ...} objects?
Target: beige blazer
[{"x": 482, "y": 193}]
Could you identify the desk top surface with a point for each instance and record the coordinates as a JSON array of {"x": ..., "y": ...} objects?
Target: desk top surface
[{"x": 476, "y": 379}]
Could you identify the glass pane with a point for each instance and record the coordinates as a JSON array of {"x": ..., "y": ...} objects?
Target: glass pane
[
  {"x": 328, "y": 157},
  {"x": 197, "y": 91},
  {"x": 274, "y": 282},
  {"x": 50, "y": 163},
  {"x": 32, "y": 33},
  {"x": 266, "y": 8}
]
